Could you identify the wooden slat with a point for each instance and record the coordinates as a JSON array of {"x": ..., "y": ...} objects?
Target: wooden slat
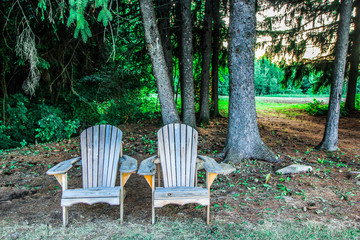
[
  {"x": 172, "y": 154},
  {"x": 92, "y": 192},
  {"x": 183, "y": 154},
  {"x": 101, "y": 154},
  {"x": 147, "y": 166},
  {"x": 193, "y": 157},
  {"x": 111, "y": 156},
  {"x": 84, "y": 158},
  {"x": 167, "y": 156},
  {"x": 95, "y": 156},
  {"x": 177, "y": 147},
  {"x": 62, "y": 167},
  {"x": 188, "y": 156},
  {"x": 116, "y": 157},
  {"x": 210, "y": 164},
  {"x": 89, "y": 149},
  {"x": 180, "y": 192},
  {"x": 90, "y": 201},
  {"x": 128, "y": 164},
  {"x": 106, "y": 154},
  {"x": 161, "y": 153}
]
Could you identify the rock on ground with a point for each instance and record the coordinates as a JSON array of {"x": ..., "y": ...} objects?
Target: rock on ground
[{"x": 295, "y": 168}]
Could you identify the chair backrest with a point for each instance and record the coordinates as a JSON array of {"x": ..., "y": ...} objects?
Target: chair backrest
[
  {"x": 178, "y": 151},
  {"x": 100, "y": 154}
]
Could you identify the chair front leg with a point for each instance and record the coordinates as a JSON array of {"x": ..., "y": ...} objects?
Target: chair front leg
[{"x": 210, "y": 177}]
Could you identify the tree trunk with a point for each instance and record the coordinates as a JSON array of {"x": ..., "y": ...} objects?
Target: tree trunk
[
  {"x": 152, "y": 37},
  {"x": 179, "y": 41},
  {"x": 330, "y": 140},
  {"x": 205, "y": 66},
  {"x": 163, "y": 13},
  {"x": 354, "y": 63},
  {"x": 243, "y": 139},
  {"x": 215, "y": 58},
  {"x": 186, "y": 62}
]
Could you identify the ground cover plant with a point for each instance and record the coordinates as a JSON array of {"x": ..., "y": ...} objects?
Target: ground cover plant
[{"x": 247, "y": 203}]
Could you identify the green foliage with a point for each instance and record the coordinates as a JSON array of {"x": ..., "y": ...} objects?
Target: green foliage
[
  {"x": 76, "y": 15},
  {"x": 52, "y": 127},
  {"x": 27, "y": 121},
  {"x": 318, "y": 108},
  {"x": 357, "y": 101}
]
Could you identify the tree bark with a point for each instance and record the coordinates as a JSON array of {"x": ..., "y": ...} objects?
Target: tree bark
[
  {"x": 152, "y": 37},
  {"x": 215, "y": 58},
  {"x": 163, "y": 13},
  {"x": 330, "y": 139},
  {"x": 354, "y": 63},
  {"x": 243, "y": 139},
  {"x": 204, "y": 116},
  {"x": 186, "y": 62}
]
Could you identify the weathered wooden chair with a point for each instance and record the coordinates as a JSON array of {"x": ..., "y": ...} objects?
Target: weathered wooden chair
[
  {"x": 101, "y": 153},
  {"x": 177, "y": 155}
]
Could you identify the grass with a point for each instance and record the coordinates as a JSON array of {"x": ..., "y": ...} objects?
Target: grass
[
  {"x": 262, "y": 106},
  {"x": 170, "y": 229}
]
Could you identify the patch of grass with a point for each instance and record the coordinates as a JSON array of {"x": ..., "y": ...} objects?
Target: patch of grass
[
  {"x": 188, "y": 229},
  {"x": 262, "y": 106}
]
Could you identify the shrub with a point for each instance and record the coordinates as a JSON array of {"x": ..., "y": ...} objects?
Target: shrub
[
  {"x": 318, "y": 108},
  {"x": 52, "y": 127}
]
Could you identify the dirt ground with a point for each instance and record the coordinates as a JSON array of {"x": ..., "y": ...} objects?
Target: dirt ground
[{"x": 329, "y": 193}]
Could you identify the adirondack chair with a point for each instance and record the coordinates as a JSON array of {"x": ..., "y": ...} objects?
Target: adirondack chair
[
  {"x": 101, "y": 153},
  {"x": 177, "y": 156}
]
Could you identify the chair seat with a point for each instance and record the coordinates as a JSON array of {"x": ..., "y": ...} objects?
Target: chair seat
[
  {"x": 181, "y": 196},
  {"x": 110, "y": 195}
]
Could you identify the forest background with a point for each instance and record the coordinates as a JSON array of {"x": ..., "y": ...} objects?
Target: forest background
[{"x": 66, "y": 66}]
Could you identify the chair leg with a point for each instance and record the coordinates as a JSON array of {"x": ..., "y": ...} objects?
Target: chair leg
[
  {"x": 65, "y": 216},
  {"x": 122, "y": 196},
  {"x": 153, "y": 215},
  {"x": 208, "y": 214}
]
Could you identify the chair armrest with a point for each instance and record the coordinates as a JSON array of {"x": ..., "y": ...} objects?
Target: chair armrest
[
  {"x": 63, "y": 167},
  {"x": 210, "y": 164},
  {"x": 147, "y": 166},
  {"x": 128, "y": 164}
]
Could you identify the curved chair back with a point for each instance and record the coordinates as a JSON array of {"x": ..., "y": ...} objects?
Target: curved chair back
[
  {"x": 178, "y": 151},
  {"x": 100, "y": 153}
]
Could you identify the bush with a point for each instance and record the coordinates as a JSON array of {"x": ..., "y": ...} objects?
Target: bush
[
  {"x": 318, "y": 108},
  {"x": 52, "y": 127},
  {"x": 28, "y": 121},
  {"x": 357, "y": 101}
]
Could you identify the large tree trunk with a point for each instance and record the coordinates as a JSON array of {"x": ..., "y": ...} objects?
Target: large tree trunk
[
  {"x": 330, "y": 140},
  {"x": 152, "y": 37},
  {"x": 243, "y": 139},
  {"x": 163, "y": 13},
  {"x": 186, "y": 62},
  {"x": 204, "y": 116},
  {"x": 354, "y": 62},
  {"x": 215, "y": 58}
]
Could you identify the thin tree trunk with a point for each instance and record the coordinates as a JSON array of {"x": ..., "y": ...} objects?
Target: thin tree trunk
[
  {"x": 215, "y": 58},
  {"x": 152, "y": 37},
  {"x": 243, "y": 139},
  {"x": 330, "y": 140},
  {"x": 186, "y": 62},
  {"x": 204, "y": 116},
  {"x": 179, "y": 41},
  {"x": 163, "y": 13},
  {"x": 354, "y": 63}
]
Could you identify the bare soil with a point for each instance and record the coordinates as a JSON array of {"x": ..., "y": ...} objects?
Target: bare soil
[{"x": 329, "y": 193}]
